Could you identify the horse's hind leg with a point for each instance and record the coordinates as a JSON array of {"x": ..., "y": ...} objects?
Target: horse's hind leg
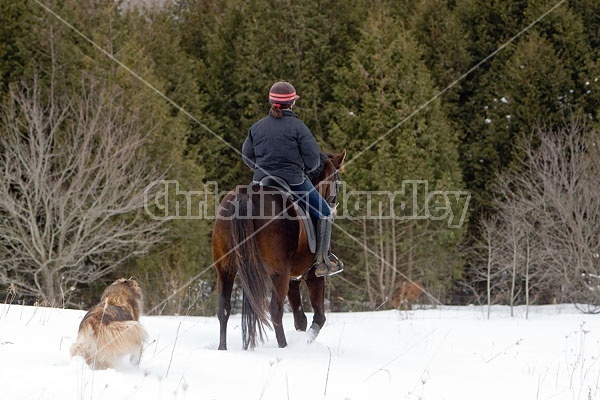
[
  {"x": 225, "y": 279},
  {"x": 295, "y": 301},
  {"x": 277, "y": 299}
]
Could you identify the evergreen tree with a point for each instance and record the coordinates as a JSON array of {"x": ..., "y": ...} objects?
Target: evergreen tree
[
  {"x": 15, "y": 22},
  {"x": 443, "y": 42},
  {"x": 562, "y": 63},
  {"x": 389, "y": 143},
  {"x": 535, "y": 89},
  {"x": 488, "y": 26}
]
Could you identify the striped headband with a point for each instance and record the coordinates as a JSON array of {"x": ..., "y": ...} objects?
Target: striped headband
[{"x": 282, "y": 97}]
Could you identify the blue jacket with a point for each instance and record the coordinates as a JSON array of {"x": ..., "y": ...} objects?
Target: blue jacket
[{"x": 283, "y": 147}]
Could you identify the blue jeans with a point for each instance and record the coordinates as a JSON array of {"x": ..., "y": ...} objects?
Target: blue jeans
[{"x": 310, "y": 199}]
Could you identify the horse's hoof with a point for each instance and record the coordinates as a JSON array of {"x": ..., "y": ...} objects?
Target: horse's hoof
[{"x": 313, "y": 332}]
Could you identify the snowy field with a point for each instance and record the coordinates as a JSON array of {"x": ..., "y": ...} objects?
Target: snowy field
[{"x": 445, "y": 353}]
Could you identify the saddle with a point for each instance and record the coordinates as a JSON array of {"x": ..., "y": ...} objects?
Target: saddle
[{"x": 303, "y": 215}]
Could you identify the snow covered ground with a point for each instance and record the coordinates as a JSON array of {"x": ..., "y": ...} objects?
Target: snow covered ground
[{"x": 444, "y": 353}]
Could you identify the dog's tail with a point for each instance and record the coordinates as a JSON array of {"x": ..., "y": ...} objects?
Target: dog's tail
[{"x": 102, "y": 345}]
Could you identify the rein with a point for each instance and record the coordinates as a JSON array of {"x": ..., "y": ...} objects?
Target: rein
[{"x": 332, "y": 197}]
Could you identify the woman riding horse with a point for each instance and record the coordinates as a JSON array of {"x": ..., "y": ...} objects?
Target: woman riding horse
[
  {"x": 268, "y": 253},
  {"x": 281, "y": 145}
]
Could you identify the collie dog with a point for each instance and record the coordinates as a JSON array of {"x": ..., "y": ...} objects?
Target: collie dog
[{"x": 111, "y": 329}]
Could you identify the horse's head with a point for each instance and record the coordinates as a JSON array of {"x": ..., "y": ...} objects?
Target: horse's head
[{"x": 326, "y": 179}]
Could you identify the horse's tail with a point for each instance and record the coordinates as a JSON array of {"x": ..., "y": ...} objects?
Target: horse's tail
[{"x": 255, "y": 280}]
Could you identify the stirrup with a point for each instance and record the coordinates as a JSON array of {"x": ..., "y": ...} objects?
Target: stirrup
[{"x": 339, "y": 263}]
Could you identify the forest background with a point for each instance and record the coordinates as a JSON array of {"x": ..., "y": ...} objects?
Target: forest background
[{"x": 497, "y": 98}]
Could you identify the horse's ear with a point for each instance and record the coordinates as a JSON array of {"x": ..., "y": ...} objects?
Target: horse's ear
[{"x": 338, "y": 159}]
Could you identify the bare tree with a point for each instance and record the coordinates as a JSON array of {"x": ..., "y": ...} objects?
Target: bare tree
[
  {"x": 485, "y": 256},
  {"x": 551, "y": 208},
  {"x": 72, "y": 183}
]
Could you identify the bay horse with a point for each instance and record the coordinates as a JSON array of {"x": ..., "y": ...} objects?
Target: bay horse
[{"x": 257, "y": 235}]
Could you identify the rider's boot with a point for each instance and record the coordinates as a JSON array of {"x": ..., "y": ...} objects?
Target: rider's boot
[{"x": 327, "y": 264}]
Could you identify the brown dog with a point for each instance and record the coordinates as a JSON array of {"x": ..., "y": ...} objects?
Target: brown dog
[{"x": 111, "y": 329}]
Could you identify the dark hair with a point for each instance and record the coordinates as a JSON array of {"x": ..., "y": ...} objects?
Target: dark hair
[{"x": 276, "y": 109}]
